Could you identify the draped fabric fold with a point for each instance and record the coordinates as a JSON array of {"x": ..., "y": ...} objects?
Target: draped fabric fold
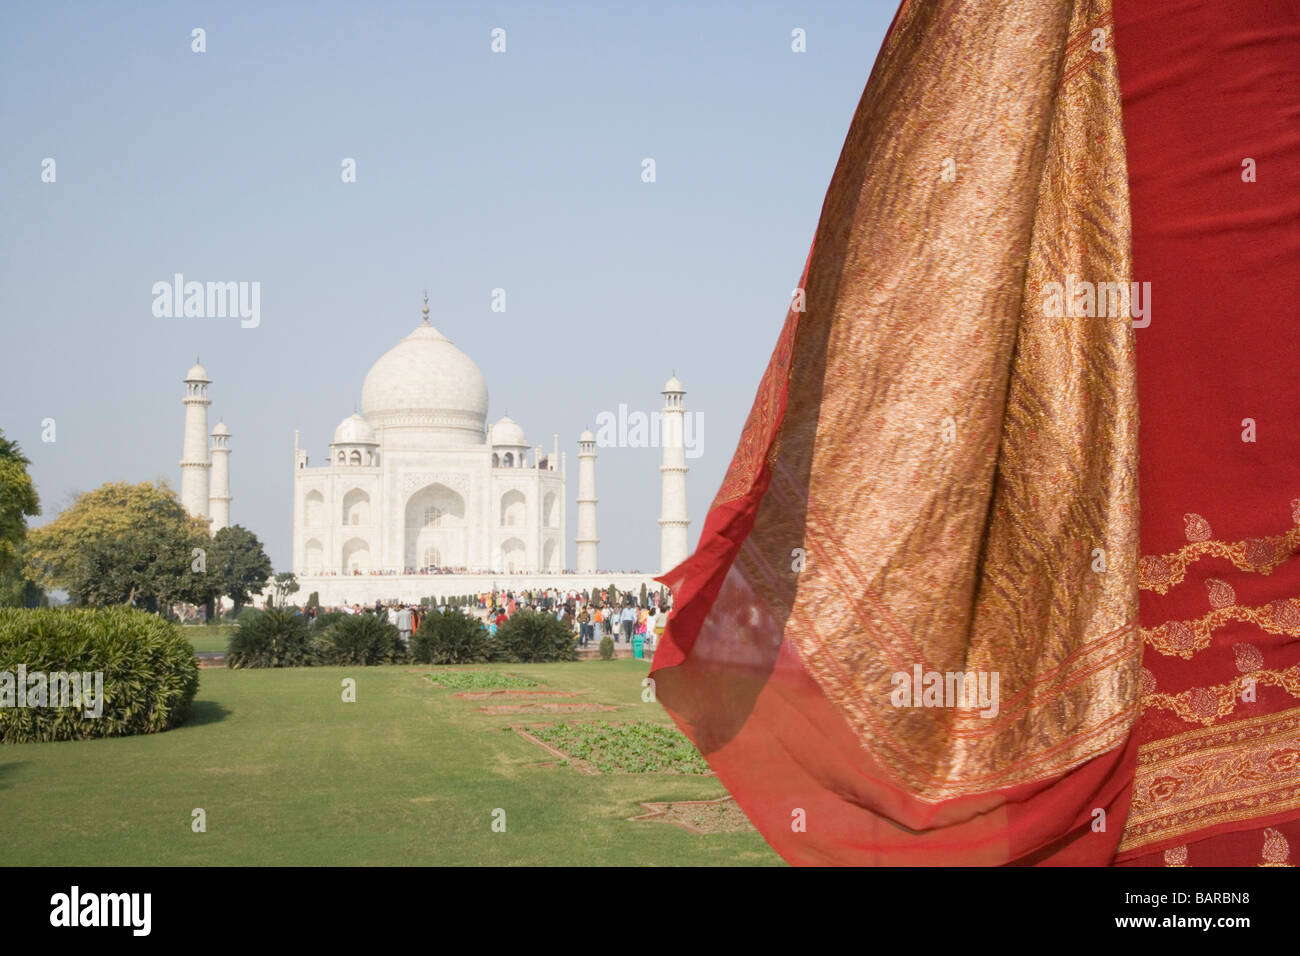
[{"x": 908, "y": 634}]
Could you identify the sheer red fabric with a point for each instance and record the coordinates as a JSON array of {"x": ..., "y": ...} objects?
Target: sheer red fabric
[
  {"x": 1206, "y": 87},
  {"x": 725, "y": 672}
]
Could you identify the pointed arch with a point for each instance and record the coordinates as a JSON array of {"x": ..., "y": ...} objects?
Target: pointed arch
[
  {"x": 356, "y": 556},
  {"x": 314, "y": 509},
  {"x": 513, "y": 555},
  {"x": 356, "y": 507},
  {"x": 514, "y": 510},
  {"x": 313, "y": 557},
  {"x": 435, "y": 524}
]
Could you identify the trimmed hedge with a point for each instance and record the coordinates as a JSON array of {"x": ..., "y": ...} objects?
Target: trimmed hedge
[
  {"x": 451, "y": 637},
  {"x": 363, "y": 639},
  {"x": 325, "y": 619},
  {"x": 280, "y": 638},
  {"x": 277, "y": 637},
  {"x": 535, "y": 637},
  {"x": 270, "y": 638},
  {"x": 150, "y": 675}
]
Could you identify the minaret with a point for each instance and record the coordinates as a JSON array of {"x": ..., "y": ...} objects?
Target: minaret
[
  {"x": 219, "y": 499},
  {"x": 587, "y": 539},
  {"x": 673, "y": 546},
  {"x": 195, "y": 464}
]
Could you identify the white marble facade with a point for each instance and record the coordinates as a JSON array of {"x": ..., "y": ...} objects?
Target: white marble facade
[{"x": 417, "y": 479}]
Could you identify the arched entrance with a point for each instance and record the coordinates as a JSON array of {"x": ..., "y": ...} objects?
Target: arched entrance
[{"x": 435, "y": 527}]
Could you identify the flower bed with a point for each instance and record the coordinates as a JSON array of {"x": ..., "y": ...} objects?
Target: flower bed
[
  {"x": 478, "y": 680},
  {"x": 631, "y": 747}
]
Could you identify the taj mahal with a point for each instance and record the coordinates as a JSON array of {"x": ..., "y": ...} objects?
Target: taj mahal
[{"x": 419, "y": 496}]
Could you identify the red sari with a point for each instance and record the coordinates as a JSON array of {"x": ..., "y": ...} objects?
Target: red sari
[
  {"x": 1212, "y": 119},
  {"x": 940, "y": 472}
]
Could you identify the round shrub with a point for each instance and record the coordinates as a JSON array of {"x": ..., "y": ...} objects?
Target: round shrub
[
  {"x": 270, "y": 638},
  {"x": 450, "y": 637},
  {"x": 362, "y": 639},
  {"x": 606, "y": 648},
  {"x": 150, "y": 675},
  {"x": 531, "y": 636}
]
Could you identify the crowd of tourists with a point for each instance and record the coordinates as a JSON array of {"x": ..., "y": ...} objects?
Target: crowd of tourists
[{"x": 590, "y": 614}]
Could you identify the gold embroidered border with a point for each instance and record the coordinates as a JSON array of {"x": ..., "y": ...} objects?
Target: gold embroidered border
[
  {"x": 1207, "y": 705},
  {"x": 1159, "y": 573},
  {"x": 1207, "y": 777},
  {"x": 1184, "y": 638}
]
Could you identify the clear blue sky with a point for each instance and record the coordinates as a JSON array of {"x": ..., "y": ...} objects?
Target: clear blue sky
[{"x": 475, "y": 171}]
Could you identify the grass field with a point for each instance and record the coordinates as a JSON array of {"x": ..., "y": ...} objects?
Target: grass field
[
  {"x": 208, "y": 637},
  {"x": 408, "y": 774}
]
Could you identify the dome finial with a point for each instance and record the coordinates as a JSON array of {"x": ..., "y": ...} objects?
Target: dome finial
[{"x": 426, "y": 307}]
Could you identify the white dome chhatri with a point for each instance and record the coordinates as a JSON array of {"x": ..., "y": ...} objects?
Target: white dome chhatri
[
  {"x": 508, "y": 432},
  {"x": 354, "y": 430},
  {"x": 426, "y": 382}
]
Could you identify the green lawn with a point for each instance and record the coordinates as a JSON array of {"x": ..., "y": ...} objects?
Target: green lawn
[
  {"x": 290, "y": 774},
  {"x": 206, "y": 637}
]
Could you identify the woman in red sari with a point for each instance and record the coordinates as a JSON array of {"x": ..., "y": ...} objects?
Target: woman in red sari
[{"x": 1048, "y": 216}]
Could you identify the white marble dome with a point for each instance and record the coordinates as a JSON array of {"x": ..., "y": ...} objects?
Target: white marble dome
[
  {"x": 425, "y": 381},
  {"x": 354, "y": 430},
  {"x": 221, "y": 428},
  {"x": 197, "y": 374},
  {"x": 508, "y": 432}
]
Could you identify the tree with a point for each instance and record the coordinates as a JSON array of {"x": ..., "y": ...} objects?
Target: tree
[
  {"x": 17, "y": 591},
  {"x": 18, "y": 501},
  {"x": 645, "y": 599},
  {"x": 240, "y": 566},
  {"x": 283, "y": 587},
  {"x": 124, "y": 544}
]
